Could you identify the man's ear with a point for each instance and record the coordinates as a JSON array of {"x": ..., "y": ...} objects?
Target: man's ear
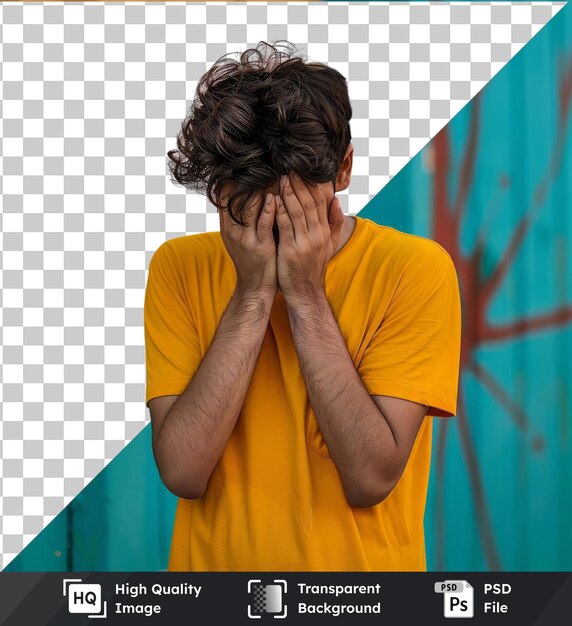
[{"x": 345, "y": 171}]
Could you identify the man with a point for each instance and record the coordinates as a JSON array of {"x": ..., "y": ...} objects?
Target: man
[{"x": 294, "y": 360}]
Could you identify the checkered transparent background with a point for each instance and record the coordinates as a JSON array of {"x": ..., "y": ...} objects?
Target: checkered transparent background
[{"x": 92, "y": 98}]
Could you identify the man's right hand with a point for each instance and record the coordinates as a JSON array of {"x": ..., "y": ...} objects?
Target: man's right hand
[
  {"x": 252, "y": 247},
  {"x": 190, "y": 435}
]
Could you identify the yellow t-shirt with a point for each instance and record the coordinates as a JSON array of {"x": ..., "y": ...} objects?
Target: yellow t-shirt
[{"x": 275, "y": 500}]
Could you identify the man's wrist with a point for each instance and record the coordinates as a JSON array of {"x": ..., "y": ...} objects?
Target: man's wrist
[
  {"x": 255, "y": 293},
  {"x": 246, "y": 298},
  {"x": 312, "y": 302}
]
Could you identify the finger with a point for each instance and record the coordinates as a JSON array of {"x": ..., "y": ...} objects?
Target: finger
[
  {"x": 222, "y": 195},
  {"x": 266, "y": 219},
  {"x": 285, "y": 226},
  {"x": 307, "y": 200},
  {"x": 294, "y": 208},
  {"x": 322, "y": 203},
  {"x": 223, "y": 220},
  {"x": 226, "y": 231},
  {"x": 251, "y": 213},
  {"x": 229, "y": 228}
]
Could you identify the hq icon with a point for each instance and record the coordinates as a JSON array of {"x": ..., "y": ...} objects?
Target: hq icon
[{"x": 84, "y": 598}]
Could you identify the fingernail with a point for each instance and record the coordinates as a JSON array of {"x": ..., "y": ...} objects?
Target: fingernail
[
  {"x": 268, "y": 198},
  {"x": 296, "y": 177}
]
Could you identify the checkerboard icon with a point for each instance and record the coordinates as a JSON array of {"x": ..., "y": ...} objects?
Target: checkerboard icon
[
  {"x": 258, "y": 599},
  {"x": 267, "y": 599}
]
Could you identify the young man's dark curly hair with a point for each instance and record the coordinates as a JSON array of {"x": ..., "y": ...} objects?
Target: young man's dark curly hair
[{"x": 260, "y": 116}]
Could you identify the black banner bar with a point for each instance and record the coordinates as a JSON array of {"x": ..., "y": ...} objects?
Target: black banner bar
[{"x": 340, "y": 598}]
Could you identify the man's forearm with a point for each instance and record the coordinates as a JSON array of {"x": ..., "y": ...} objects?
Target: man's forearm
[
  {"x": 199, "y": 424},
  {"x": 358, "y": 436}
]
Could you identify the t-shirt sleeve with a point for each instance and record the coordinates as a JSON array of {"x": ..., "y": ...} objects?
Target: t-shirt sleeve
[
  {"x": 172, "y": 348},
  {"x": 415, "y": 352}
]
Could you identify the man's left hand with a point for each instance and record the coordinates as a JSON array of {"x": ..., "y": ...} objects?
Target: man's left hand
[{"x": 310, "y": 221}]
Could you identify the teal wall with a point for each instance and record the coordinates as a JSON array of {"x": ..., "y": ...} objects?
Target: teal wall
[
  {"x": 121, "y": 521},
  {"x": 495, "y": 188}
]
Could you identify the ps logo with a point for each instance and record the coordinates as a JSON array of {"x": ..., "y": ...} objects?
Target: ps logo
[{"x": 458, "y": 598}]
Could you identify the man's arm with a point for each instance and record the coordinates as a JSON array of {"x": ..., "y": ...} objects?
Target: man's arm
[
  {"x": 369, "y": 437},
  {"x": 189, "y": 441}
]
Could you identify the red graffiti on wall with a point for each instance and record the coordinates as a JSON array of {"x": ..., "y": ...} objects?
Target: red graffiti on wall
[{"x": 477, "y": 293}]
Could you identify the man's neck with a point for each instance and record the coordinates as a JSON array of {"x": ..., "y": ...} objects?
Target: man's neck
[{"x": 347, "y": 230}]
